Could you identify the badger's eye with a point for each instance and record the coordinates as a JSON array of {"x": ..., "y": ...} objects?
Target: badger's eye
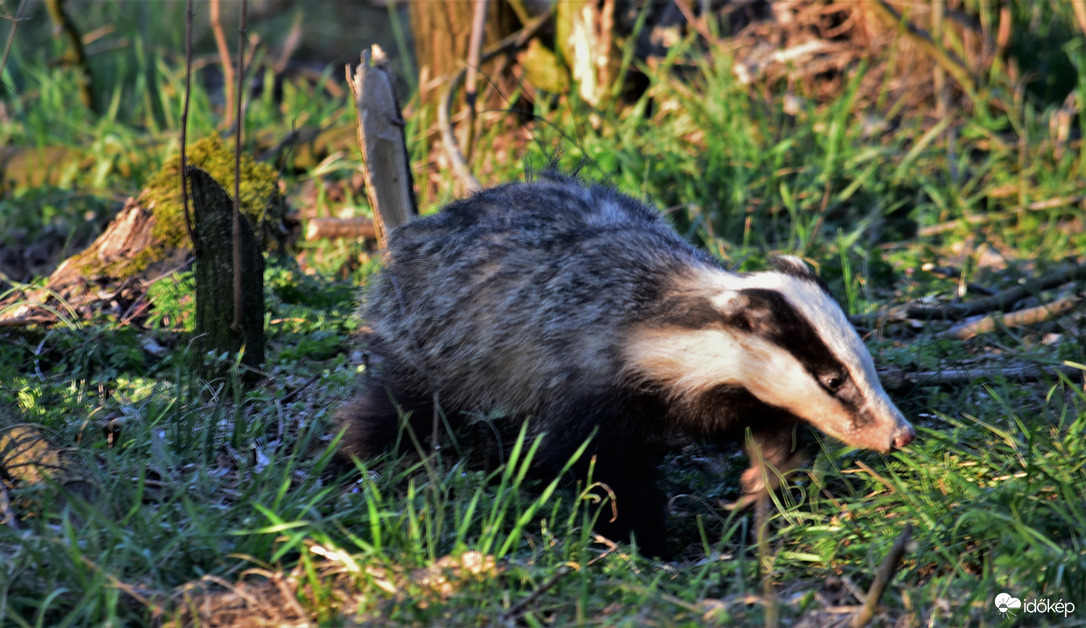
[{"x": 833, "y": 381}]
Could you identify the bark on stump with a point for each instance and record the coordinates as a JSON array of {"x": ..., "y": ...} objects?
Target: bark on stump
[{"x": 213, "y": 212}]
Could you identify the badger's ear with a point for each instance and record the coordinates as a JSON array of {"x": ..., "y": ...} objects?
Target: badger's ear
[
  {"x": 792, "y": 265},
  {"x": 748, "y": 310},
  {"x": 795, "y": 267}
]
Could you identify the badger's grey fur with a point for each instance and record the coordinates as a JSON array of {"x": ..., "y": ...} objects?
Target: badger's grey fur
[{"x": 581, "y": 310}]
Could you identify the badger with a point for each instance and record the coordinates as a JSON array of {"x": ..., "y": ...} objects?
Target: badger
[{"x": 583, "y": 312}]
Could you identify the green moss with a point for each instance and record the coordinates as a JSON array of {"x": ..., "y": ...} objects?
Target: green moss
[
  {"x": 261, "y": 203},
  {"x": 259, "y": 189}
]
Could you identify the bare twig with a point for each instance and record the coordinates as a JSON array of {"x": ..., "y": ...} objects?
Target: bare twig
[
  {"x": 475, "y": 50},
  {"x": 297, "y": 391},
  {"x": 695, "y": 23},
  {"x": 15, "y": 19},
  {"x": 224, "y": 58},
  {"x": 185, "y": 123},
  {"x": 27, "y": 321},
  {"x": 452, "y": 148},
  {"x": 1020, "y": 318},
  {"x": 76, "y": 55},
  {"x": 518, "y": 608},
  {"x": 239, "y": 123},
  {"x": 882, "y": 578}
]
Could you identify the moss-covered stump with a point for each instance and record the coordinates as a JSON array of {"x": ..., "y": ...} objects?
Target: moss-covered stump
[
  {"x": 218, "y": 329},
  {"x": 148, "y": 238}
]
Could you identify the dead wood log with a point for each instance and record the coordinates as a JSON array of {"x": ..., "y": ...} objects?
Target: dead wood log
[{"x": 360, "y": 228}]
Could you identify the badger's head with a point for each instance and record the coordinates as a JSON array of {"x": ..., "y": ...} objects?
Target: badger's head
[{"x": 778, "y": 335}]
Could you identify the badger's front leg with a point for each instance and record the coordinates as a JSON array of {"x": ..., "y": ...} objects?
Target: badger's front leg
[{"x": 772, "y": 453}]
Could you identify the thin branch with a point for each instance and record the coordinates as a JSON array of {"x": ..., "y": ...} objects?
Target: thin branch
[
  {"x": 189, "y": 14},
  {"x": 471, "y": 88},
  {"x": 224, "y": 58},
  {"x": 76, "y": 54},
  {"x": 882, "y": 578},
  {"x": 694, "y": 22},
  {"x": 517, "y": 609},
  {"x": 15, "y": 19},
  {"x": 979, "y": 219},
  {"x": 1000, "y": 301},
  {"x": 900, "y": 381},
  {"x": 452, "y": 148},
  {"x": 239, "y": 123}
]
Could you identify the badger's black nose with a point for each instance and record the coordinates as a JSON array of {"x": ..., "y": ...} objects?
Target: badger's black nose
[{"x": 903, "y": 435}]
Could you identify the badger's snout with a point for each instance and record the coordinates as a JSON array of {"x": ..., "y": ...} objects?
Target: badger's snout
[{"x": 903, "y": 435}]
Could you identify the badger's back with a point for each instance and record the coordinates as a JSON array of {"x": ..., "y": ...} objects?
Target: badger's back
[{"x": 518, "y": 298}]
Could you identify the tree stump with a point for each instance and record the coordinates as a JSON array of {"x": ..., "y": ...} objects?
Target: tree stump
[{"x": 213, "y": 215}]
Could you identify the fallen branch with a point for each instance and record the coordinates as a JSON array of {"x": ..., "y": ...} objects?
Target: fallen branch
[
  {"x": 515, "y": 611},
  {"x": 1020, "y": 318},
  {"x": 27, "y": 321},
  {"x": 903, "y": 381},
  {"x": 1001, "y": 301},
  {"x": 882, "y": 578},
  {"x": 360, "y": 228},
  {"x": 471, "y": 84}
]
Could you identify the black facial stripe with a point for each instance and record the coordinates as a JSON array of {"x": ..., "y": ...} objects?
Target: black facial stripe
[{"x": 769, "y": 315}]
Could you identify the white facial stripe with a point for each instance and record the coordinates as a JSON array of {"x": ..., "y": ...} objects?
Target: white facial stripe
[
  {"x": 690, "y": 363},
  {"x": 815, "y": 305}
]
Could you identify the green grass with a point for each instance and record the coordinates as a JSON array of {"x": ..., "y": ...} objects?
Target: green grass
[{"x": 175, "y": 490}]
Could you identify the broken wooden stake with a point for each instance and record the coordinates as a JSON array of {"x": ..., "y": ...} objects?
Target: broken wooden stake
[{"x": 390, "y": 187}]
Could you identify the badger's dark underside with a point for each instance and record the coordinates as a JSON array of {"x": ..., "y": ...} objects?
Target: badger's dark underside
[{"x": 629, "y": 432}]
